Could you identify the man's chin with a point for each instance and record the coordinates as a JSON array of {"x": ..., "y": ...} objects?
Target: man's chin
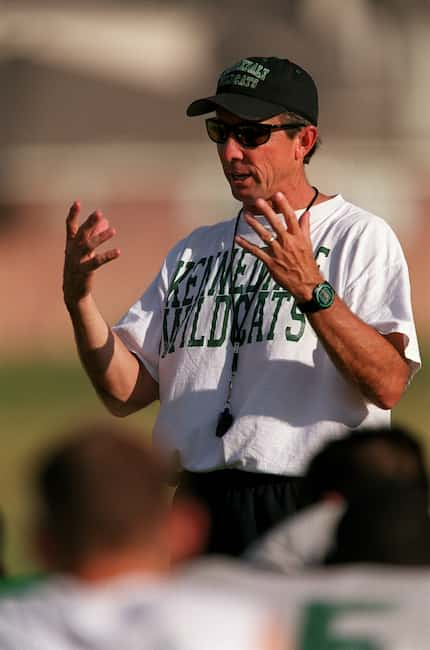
[
  {"x": 243, "y": 195},
  {"x": 247, "y": 198}
]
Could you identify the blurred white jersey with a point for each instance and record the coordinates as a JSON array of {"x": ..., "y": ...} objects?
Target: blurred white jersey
[
  {"x": 128, "y": 614},
  {"x": 300, "y": 541},
  {"x": 356, "y": 608}
]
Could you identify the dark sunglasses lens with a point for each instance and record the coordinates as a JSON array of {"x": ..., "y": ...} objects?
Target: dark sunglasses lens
[
  {"x": 216, "y": 131},
  {"x": 252, "y": 135}
]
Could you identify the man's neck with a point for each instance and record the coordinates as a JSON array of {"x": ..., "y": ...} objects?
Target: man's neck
[
  {"x": 110, "y": 565},
  {"x": 297, "y": 198}
]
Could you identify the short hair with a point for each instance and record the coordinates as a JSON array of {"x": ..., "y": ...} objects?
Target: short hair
[
  {"x": 288, "y": 118},
  {"x": 388, "y": 523},
  {"x": 346, "y": 465},
  {"x": 100, "y": 490}
]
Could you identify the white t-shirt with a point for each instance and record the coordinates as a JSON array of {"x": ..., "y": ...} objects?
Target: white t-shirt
[
  {"x": 361, "y": 607},
  {"x": 129, "y": 614},
  {"x": 288, "y": 398},
  {"x": 300, "y": 541}
]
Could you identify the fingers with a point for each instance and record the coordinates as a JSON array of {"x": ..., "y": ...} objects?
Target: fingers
[
  {"x": 265, "y": 235},
  {"x": 93, "y": 232},
  {"x": 282, "y": 204},
  {"x": 80, "y": 259},
  {"x": 96, "y": 240},
  {"x": 72, "y": 219},
  {"x": 272, "y": 218},
  {"x": 96, "y": 261},
  {"x": 95, "y": 224},
  {"x": 305, "y": 224},
  {"x": 252, "y": 248}
]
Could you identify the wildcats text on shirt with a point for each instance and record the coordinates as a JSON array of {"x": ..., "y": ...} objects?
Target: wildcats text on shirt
[{"x": 203, "y": 310}]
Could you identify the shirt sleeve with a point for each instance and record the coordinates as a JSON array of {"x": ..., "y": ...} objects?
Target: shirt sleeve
[
  {"x": 379, "y": 289},
  {"x": 141, "y": 327}
]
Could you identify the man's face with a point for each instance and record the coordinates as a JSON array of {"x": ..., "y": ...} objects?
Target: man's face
[{"x": 261, "y": 171}]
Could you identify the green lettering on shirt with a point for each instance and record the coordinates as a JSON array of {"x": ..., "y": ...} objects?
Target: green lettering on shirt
[
  {"x": 318, "y": 627},
  {"x": 194, "y": 341},
  {"x": 296, "y": 315},
  {"x": 258, "y": 317},
  {"x": 279, "y": 296},
  {"x": 225, "y": 302}
]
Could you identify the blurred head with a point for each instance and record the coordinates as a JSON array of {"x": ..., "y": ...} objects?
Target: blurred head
[
  {"x": 346, "y": 466},
  {"x": 103, "y": 500},
  {"x": 381, "y": 475},
  {"x": 388, "y": 523}
]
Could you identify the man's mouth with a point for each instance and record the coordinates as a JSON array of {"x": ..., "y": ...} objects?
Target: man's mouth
[{"x": 239, "y": 177}]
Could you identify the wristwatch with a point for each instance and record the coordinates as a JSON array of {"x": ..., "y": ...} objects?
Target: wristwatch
[{"x": 322, "y": 298}]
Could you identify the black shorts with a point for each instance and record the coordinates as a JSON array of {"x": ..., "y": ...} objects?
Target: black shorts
[{"x": 242, "y": 505}]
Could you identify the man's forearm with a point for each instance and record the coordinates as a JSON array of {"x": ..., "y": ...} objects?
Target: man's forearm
[
  {"x": 365, "y": 357},
  {"x": 118, "y": 377}
]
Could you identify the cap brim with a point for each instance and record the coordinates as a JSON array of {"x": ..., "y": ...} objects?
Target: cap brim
[{"x": 244, "y": 106}]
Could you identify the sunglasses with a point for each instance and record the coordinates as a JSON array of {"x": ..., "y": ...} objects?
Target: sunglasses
[{"x": 247, "y": 134}]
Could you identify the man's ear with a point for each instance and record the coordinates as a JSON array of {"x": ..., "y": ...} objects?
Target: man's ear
[
  {"x": 305, "y": 141},
  {"x": 188, "y": 529}
]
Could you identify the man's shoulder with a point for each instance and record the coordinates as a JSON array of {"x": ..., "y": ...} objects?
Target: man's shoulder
[
  {"x": 204, "y": 239},
  {"x": 159, "y": 612},
  {"x": 349, "y": 223},
  {"x": 350, "y": 214},
  {"x": 217, "y": 228}
]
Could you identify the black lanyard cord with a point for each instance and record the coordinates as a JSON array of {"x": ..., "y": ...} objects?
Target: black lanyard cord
[{"x": 226, "y": 419}]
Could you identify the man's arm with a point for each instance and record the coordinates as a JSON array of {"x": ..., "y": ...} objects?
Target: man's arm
[
  {"x": 122, "y": 382},
  {"x": 373, "y": 362}
]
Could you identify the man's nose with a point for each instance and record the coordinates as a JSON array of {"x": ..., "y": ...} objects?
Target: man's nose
[{"x": 231, "y": 150}]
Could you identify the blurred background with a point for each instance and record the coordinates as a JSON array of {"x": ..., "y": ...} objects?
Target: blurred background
[{"x": 92, "y": 107}]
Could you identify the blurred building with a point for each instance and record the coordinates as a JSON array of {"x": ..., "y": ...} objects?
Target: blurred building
[{"x": 93, "y": 107}]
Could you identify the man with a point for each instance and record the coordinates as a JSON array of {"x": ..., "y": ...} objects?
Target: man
[
  {"x": 262, "y": 336},
  {"x": 343, "y": 480},
  {"x": 106, "y": 535},
  {"x": 373, "y": 595},
  {"x": 369, "y": 587}
]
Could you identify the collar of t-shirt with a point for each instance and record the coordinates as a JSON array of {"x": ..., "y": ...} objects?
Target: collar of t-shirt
[{"x": 318, "y": 212}]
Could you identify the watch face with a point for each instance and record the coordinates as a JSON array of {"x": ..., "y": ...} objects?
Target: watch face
[{"x": 324, "y": 295}]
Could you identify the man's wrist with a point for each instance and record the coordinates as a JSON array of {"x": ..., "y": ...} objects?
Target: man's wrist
[
  {"x": 76, "y": 305},
  {"x": 323, "y": 296},
  {"x": 306, "y": 290}
]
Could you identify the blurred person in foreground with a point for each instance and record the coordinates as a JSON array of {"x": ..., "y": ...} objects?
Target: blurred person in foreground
[
  {"x": 262, "y": 336},
  {"x": 368, "y": 586},
  {"x": 3, "y": 572},
  {"x": 107, "y": 536},
  {"x": 335, "y": 479}
]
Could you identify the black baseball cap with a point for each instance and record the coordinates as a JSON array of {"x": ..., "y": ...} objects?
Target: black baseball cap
[{"x": 258, "y": 88}]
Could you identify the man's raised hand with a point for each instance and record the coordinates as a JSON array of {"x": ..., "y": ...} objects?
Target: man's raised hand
[
  {"x": 81, "y": 260},
  {"x": 288, "y": 252}
]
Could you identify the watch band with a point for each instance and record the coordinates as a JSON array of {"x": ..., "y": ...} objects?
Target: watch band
[{"x": 322, "y": 298}]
